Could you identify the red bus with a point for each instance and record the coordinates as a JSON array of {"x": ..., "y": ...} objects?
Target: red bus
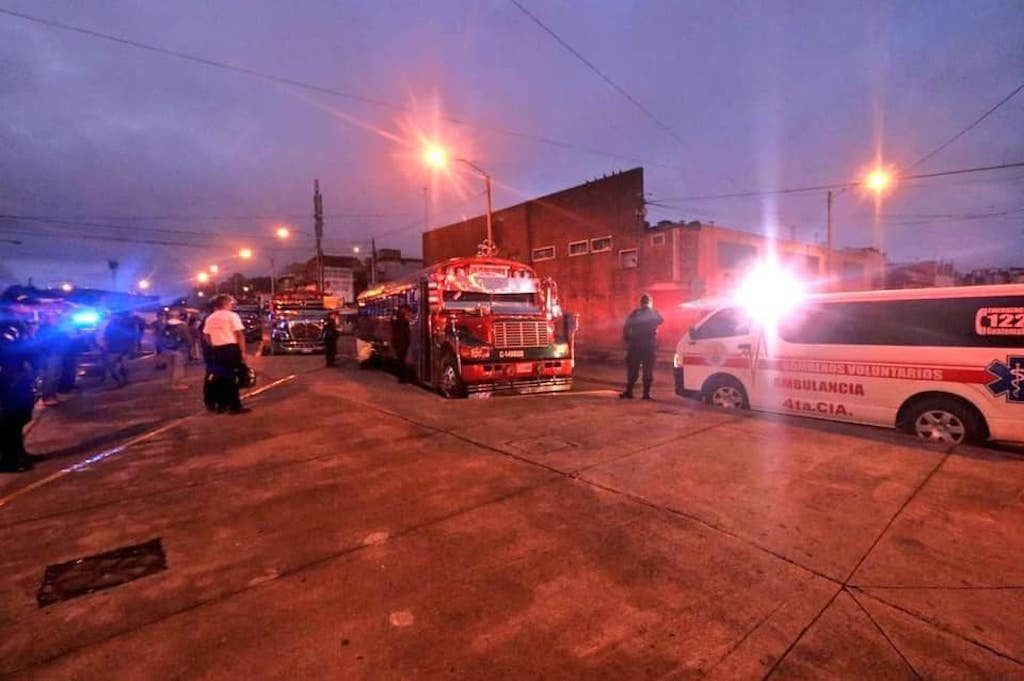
[{"x": 479, "y": 325}]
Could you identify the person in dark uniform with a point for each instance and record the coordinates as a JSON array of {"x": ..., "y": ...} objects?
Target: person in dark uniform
[
  {"x": 640, "y": 333},
  {"x": 331, "y": 335},
  {"x": 400, "y": 338},
  {"x": 17, "y": 396}
]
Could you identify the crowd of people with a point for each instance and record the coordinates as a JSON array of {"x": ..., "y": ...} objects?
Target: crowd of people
[
  {"x": 39, "y": 354},
  {"x": 41, "y": 347}
]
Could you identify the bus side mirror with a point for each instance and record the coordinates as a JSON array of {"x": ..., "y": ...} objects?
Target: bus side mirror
[{"x": 570, "y": 323}]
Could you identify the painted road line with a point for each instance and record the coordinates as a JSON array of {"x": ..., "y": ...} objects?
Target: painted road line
[{"x": 107, "y": 453}]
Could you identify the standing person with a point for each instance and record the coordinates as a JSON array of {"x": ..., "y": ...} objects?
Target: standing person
[
  {"x": 225, "y": 334},
  {"x": 175, "y": 340},
  {"x": 209, "y": 385},
  {"x": 640, "y": 333},
  {"x": 400, "y": 337},
  {"x": 16, "y": 395},
  {"x": 196, "y": 350},
  {"x": 331, "y": 335},
  {"x": 119, "y": 337},
  {"x": 158, "y": 344},
  {"x": 140, "y": 331},
  {"x": 50, "y": 341}
]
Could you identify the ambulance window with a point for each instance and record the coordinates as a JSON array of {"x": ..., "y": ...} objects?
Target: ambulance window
[
  {"x": 937, "y": 322},
  {"x": 725, "y": 323}
]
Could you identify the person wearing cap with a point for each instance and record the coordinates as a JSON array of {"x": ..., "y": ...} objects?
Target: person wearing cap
[{"x": 640, "y": 333}]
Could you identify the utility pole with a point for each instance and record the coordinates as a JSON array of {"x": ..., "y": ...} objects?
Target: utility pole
[
  {"x": 828, "y": 235},
  {"x": 318, "y": 222},
  {"x": 426, "y": 210},
  {"x": 373, "y": 261}
]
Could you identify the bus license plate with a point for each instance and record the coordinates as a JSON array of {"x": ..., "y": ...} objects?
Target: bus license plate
[{"x": 524, "y": 367}]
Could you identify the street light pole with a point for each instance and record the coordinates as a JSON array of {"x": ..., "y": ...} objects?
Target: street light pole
[
  {"x": 273, "y": 276},
  {"x": 490, "y": 245},
  {"x": 828, "y": 235},
  {"x": 490, "y": 212}
]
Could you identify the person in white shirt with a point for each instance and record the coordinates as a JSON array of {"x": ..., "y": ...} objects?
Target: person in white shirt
[{"x": 224, "y": 333}]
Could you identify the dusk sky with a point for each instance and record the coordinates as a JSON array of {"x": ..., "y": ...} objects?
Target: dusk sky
[{"x": 142, "y": 156}]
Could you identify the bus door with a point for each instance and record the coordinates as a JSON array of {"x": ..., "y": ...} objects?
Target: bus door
[{"x": 420, "y": 333}]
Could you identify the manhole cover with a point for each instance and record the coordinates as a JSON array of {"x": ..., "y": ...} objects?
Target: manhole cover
[{"x": 81, "y": 576}]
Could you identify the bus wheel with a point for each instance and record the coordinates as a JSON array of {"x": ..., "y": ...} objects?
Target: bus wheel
[
  {"x": 725, "y": 392},
  {"x": 945, "y": 420},
  {"x": 450, "y": 381}
]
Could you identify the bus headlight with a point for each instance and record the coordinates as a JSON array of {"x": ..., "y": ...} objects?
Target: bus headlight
[{"x": 561, "y": 349}]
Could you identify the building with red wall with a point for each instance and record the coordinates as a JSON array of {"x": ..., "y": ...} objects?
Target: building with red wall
[{"x": 593, "y": 240}]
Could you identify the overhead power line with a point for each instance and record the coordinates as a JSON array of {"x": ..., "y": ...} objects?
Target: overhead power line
[
  {"x": 836, "y": 185},
  {"x": 973, "y": 124},
  {"x": 601, "y": 74},
  {"x": 227, "y": 218},
  {"x": 321, "y": 89}
]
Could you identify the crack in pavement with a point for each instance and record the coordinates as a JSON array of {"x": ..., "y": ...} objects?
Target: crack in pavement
[
  {"x": 941, "y": 627},
  {"x": 881, "y": 631}
]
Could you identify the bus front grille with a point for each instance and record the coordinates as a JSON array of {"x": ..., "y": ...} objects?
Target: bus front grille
[
  {"x": 305, "y": 331},
  {"x": 526, "y": 334}
]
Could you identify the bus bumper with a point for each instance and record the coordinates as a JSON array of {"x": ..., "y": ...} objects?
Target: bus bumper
[
  {"x": 519, "y": 378},
  {"x": 522, "y": 387},
  {"x": 297, "y": 347}
]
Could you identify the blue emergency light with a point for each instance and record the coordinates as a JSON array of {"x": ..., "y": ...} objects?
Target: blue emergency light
[{"x": 85, "y": 318}]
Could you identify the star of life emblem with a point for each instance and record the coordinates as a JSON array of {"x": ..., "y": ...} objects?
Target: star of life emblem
[{"x": 1009, "y": 378}]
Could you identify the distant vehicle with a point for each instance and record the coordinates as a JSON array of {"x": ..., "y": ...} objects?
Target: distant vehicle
[
  {"x": 297, "y": 323},
  {"x": 252, "y": 318},
  {"x": 944, "y": 364},
  {"x": 479, "y": 325}
]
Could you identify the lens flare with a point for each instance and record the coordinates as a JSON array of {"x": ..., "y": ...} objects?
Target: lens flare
[{"x": 769, "y": 292}]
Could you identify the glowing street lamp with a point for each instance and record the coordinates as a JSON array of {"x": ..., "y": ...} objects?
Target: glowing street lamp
[
  {"x": 66, "y": 287},
  {"x": 436, "y": 157},
  {"x": 878, "y": 180},
  {"x": 203, "y": 278},
  {"x": 143, "y": 284},
  {"x": 245, "y": 253},
  {"x": 214, "y": 269},
  {"x": 282, "y": 233},
  {"x": 355, "y": 249}
]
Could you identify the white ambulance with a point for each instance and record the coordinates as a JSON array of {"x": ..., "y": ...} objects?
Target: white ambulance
[{"x": 946, "y": 364}]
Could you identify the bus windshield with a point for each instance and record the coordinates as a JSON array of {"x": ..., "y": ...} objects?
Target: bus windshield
[{"x": 501, "y": 303}]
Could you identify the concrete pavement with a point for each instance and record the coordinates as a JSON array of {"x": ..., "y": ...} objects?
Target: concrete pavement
[{"x": 355, "y": 528}]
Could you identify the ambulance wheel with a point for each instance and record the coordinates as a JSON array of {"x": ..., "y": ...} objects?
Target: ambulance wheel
[
  {"x": 450, "y": 381},
  {"x": 725, "y": 392},
  {"x": 945, "y": 420}
]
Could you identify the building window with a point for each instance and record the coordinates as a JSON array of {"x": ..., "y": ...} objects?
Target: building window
[
  {"x": 601, "y": 244},
  {"x": 628, "y": 259},
  {"x": 853, "y": 271},
  {"x": 578, "y": 248},
  {"x": 732, "y": 255},
  {"x": 545, "y": 253},
  {"x": 658, "y": 239}
]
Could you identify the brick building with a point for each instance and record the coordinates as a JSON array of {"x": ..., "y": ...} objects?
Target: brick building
[
  {"x": 924, "y": 274},
  {"x": 594, "y": 241}
]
